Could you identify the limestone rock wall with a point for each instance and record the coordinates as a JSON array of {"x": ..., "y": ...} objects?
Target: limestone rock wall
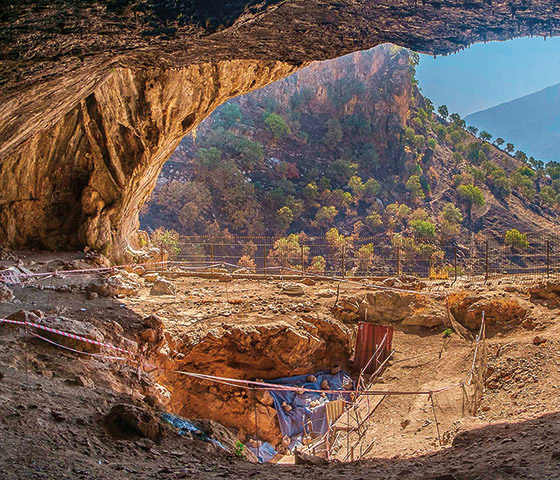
[{"x": 82, "y": 181}]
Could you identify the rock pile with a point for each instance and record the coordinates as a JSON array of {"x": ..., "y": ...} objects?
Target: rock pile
[
  {"x": 113, "y": 286},
  {"x": 163, "y": 287}
]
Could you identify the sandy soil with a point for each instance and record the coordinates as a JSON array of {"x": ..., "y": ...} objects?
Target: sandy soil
[{"x": 51, "y": 426}]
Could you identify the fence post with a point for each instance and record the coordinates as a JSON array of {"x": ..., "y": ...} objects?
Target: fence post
[
  {"x": 264, "y": 259},
  {"x": 212, "y": 257},
  {"x": 455, "y": 261},
  {"x": 302, "y": 262},
  {"x": 343, "y": 260},
  {"x": 486, "y": 265},
  {"x": 548, "y": 259}
]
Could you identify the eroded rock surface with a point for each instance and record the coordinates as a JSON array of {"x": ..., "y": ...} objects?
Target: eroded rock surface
[
  {"x": 270, "y": 349},
  {"x": 96, "y": 95}
]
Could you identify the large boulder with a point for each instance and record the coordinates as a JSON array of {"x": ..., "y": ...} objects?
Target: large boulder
[
  {"x": 126, "y": 419},
  {"x": 387, "y": 306},
  {"x": 501, "y": 310},
  {"x": 163, "y": 287},
  {"x": 113, "y": 286},
  {"x": 82, "y": 329}
]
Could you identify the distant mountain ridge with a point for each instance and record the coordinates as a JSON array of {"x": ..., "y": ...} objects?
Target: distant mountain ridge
[{"x": 531, "y": 123}]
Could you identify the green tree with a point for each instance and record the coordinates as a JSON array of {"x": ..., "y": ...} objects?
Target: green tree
[
  {"x": 516, "y": 239},
  {"x": 452, "y": 214},
  {"x": 510, "y": 147},
  {"x": 325, "y": 215},
  {"x": 423, "y": 229},
  {"x": 227, "y": 116},
  {"x": 443, "y": 111},
  {"x": 472, "y": 130},
  {"x": 521, "y": 156},
  {"x": 414, "y": 186},
  {"x": 485, "y": 136},
  {"x": 334, "y": 133},
  {"x": 499, "y": 141},
  {"x": 277, "y": 125},
  {"x": 441, "y": 132},
  {"x": 469, "y": 196},
  {"x": 285, "y": 218},
  {"x": 373, "y": 221}
]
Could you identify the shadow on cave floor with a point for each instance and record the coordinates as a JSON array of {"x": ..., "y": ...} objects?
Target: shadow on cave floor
[{"x": 504, "y": 451}]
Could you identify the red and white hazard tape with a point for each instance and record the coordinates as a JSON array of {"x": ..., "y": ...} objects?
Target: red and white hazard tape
[{"x": 66, "y": 334}]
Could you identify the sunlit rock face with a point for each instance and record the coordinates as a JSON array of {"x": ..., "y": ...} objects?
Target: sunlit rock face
[
  {"x": 83, "y": 180},
  {"x": 95, "y": 95}
]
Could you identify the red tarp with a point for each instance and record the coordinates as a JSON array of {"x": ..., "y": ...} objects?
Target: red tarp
[{"x": 368, "y": 339}]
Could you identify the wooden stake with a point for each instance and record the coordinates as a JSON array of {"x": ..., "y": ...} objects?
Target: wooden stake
[{"x": 435, "y": 418}]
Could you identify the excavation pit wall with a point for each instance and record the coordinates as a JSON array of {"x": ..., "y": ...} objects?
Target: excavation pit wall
[{"x": 272, "y": 349}]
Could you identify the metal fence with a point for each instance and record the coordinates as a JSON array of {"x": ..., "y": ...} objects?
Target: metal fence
[{"x": 477, "y": 259}]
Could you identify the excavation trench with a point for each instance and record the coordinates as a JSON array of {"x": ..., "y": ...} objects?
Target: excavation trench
[{"x": 270, "y": 350}]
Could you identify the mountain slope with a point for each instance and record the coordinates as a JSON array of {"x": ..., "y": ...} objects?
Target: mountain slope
[
  {"x": 349, "y": 144},
  {"x": 531, "y": 123}
]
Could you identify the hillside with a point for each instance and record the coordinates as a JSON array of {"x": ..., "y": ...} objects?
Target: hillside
[
  {"x": 531, "y": 123},
  {"x": 349, "y": 143}
]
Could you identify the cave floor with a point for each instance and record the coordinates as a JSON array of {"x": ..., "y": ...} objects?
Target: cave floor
[{"x": 50, "y": 427}]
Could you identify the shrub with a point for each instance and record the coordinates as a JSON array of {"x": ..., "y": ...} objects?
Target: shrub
[
  {"x": 423, "y": 228},
  {"x": 247, "y": 262},
  {"x": 414, "y": 186},
  {"x": 277, "y": 125},
  {"x": 325, "y": 215},
  {"x": 239, "y": 449},
  {"x": 516, "y": 239},
  {"x": 318, "y": 264},
  {"x": 166, "y": 240}
]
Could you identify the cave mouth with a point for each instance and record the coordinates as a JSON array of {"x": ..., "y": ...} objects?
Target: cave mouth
[{"x": 64, "y": 126}]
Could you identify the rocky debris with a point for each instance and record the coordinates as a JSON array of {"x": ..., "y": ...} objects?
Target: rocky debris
[
  {"x": 83, "y": 329},
  {"x": 24, "y": 316},
  {"x": 163, "y": 287},
  {"x": 389, "y": 306},
  {"x": 309, "y": 282},
  {"x": 264, "y": 397},
  {"x": 546, "y": 293},
  {"x": 501, "y": 310},
  {"x": 305, "y": 459},
  {"x": 151, "y": 277},
  {"x": 408, "y": 282},
  {"x": 124, "y": 419},
  {"x": 326, "y": 293},
  {"x": 11, "y": 275},
  {"x": 92, "y": 295},
  {"x": 113, "y": 286},
  {"x": 538, "y": 340},
  {"x": 6, "y": 295},
  {"x": 225, "y": 278},
  {"x": 152, "y": 334},
  {"x": 293, "y": 289}
]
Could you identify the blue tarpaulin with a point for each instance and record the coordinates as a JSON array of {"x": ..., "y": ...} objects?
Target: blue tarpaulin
[
  {"x": 266, "y": 452},
  {"x": 304, "y": 416}
]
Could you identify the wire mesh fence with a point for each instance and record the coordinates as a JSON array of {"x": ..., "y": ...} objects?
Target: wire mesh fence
[{"x": 475, "y": 260}]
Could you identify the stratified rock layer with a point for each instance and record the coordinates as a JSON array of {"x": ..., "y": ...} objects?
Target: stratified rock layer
[{"x": 96, "y": 95}]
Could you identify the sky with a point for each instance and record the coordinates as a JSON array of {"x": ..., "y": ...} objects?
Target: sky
[{"x": 487, "y": 74}]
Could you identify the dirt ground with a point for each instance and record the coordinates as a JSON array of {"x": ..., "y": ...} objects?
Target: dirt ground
[{"x": 52, "y": 418}]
